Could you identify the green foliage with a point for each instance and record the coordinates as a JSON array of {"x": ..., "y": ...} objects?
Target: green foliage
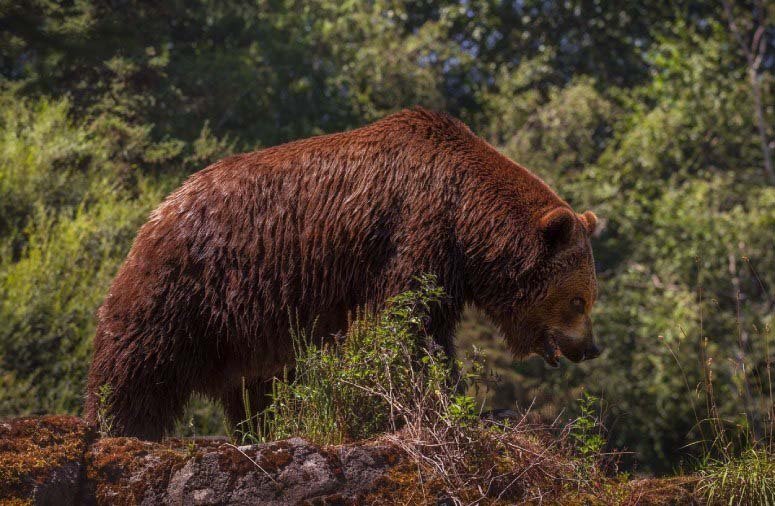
[
  {"x": 386, "y": 378},
  {"x": 334, "y": 392},
  {"x": 463, "y": 410},
  {"x": 201, "y": 417},
  {"x": 66, "y": 227}
]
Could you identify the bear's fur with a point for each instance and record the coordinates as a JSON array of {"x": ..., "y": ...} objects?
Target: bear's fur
[{"x": 318, "y": 228}]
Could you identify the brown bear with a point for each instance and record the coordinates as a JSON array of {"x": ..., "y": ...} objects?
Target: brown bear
[{"x": 318, "y": 228}]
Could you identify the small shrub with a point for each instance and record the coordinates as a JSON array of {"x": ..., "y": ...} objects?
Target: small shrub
[
  {"x": 585, "y": 433},
  {"x": 334, "y": 393}
]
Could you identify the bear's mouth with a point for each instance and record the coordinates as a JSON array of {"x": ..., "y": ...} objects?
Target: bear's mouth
[{"x": 551, "y": 351}]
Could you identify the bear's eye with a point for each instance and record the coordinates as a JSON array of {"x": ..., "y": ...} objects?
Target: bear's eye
[{"x": 578, "y": 304}]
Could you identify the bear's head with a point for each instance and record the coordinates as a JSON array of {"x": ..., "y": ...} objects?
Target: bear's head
[{"x": 543, "y": 304}]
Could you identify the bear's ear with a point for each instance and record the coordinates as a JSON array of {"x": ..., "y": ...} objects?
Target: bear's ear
[
  {"x": 557, "y": 227},
  {"x": 589, "y": 219}
]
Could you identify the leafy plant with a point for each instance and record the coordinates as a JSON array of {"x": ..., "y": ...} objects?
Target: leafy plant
[
  {"x": 463, "y": 410},
  {"x": 104, "y": 418},
  {"x": 585, "y": 432}
]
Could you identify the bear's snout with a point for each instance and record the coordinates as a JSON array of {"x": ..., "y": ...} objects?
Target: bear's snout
[{"x": 592, "y": 352}]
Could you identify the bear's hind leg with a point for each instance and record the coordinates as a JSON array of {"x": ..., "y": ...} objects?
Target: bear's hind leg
[{"x": 144, "y": 396}]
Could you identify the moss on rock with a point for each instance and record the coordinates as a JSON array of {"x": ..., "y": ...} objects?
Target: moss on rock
[{"x": 42, "y": 458}]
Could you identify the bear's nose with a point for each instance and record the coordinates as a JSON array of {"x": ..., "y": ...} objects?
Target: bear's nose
[{"x": 592, "y": 351}]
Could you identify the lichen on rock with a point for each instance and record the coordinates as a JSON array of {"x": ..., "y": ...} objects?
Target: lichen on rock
[
  {"x": 42, "y": 459},
  {"x": 57, "y": 460}
]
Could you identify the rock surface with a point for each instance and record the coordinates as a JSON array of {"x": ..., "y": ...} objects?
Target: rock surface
[
  {"x": 42, "y": 459},
  {"x": 59, "y": 460}
]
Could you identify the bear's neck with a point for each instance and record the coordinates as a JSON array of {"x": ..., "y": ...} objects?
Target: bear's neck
[{"x": 500, "y": 203}]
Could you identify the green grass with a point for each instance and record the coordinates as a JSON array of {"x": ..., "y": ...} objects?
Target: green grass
[{"x": 743, "y": 480}]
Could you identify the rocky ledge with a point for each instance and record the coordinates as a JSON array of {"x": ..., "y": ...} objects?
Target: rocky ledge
[{"x": 59, "y": 460}]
